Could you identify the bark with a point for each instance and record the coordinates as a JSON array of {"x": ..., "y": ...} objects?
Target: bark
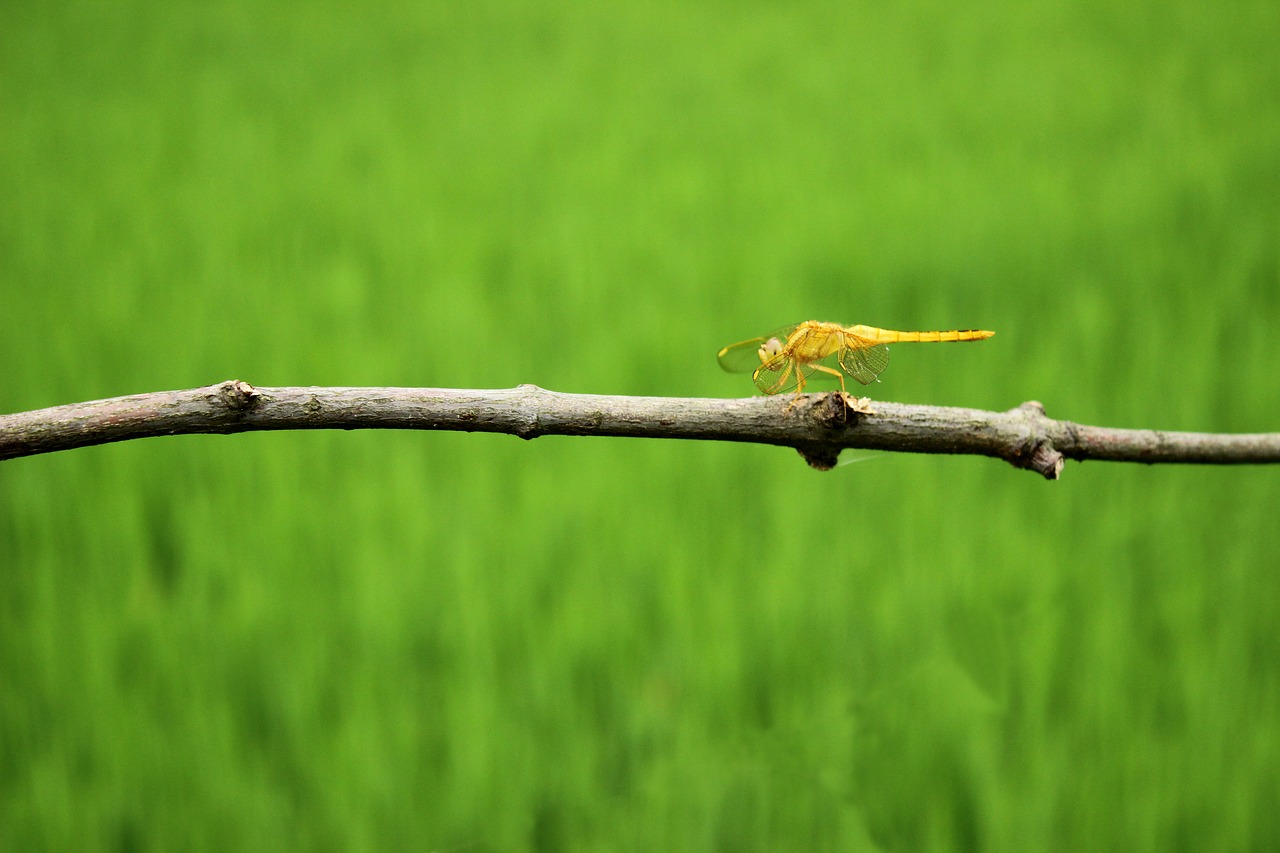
[{"x": 819, "y": 426}]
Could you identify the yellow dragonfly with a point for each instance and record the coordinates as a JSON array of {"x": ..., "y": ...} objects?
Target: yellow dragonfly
[{"x": 784, "y": 360}]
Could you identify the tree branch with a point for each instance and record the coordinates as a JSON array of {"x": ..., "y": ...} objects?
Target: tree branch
[{"x": 819, "y": 426}]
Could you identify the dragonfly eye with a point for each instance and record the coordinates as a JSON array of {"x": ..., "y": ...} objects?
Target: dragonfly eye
[{"x": 769, "y": 349}]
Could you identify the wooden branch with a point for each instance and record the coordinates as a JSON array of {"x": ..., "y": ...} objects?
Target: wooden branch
[{"x": 819, "y": 426}]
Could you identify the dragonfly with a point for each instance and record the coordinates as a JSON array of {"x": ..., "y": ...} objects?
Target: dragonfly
[{"x": 785, "y": 360}]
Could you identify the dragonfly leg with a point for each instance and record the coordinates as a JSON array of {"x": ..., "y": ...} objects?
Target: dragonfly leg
[
  {"x": 837, "y": 374},
  {"x": 800, "y": 382}
]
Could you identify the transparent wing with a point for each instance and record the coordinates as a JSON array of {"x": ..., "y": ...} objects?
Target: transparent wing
[
  {"x": 862, "y": 358},
  {"x": 780, "y": 374},
  {"x": 741, "y": 357},
  {"x": 744, "y": 356}
]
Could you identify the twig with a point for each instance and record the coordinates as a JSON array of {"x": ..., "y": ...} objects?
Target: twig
[{"x": 819, "y": 426}]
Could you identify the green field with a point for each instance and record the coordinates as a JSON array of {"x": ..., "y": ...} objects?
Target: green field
[{"x": 435, "y": 641}]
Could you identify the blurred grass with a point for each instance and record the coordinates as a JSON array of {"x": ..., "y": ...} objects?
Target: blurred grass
[{"x": 385, "y": 640}]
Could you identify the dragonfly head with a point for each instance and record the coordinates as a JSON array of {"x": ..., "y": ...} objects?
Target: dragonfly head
[{"x": 769, "y": 349}]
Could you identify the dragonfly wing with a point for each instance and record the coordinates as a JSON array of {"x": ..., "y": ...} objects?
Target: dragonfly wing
[
  {"x": 741, "y": 357},
  {"x": 780, "y": 374},
  {"x": 863, "y": 359},
  {"x": 744, "y": 356}
]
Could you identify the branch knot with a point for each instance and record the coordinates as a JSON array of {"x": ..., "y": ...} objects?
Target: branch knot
[
  {"x": 1038, "y": 453},
  {"x": 238, "y": 395}
]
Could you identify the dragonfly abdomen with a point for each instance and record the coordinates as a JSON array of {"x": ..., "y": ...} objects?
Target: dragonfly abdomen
[{"x": 889, "y": 336}]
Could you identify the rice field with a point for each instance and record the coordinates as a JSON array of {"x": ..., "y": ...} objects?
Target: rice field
[{"x": 464, "y": 642}]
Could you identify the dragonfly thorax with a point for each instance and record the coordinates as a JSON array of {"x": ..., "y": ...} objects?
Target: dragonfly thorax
[{"x": 813, "y": 341}]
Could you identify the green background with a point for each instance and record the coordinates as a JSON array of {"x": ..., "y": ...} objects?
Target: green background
[{"x": 397, "y": 640}]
